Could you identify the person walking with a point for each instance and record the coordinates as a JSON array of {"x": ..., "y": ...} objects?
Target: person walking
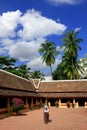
[{"x": 46, "y": 112}]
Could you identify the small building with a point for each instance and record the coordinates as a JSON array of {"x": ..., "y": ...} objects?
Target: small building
[
  {"x": 74, "y": 91},
  {"x": 33, "y": 90}
]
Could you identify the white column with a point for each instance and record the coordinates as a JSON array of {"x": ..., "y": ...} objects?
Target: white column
[
  {"x": 74, "y": 100},
  {"x": 59, "y": 102}
]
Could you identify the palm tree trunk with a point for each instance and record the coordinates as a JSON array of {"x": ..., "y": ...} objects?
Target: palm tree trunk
[
  {"x": 51, "y": 69},
  {"x": 73, "y": 77}
]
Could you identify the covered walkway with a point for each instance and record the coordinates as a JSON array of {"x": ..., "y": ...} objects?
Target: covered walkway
[{"x": 60, "y": 119}]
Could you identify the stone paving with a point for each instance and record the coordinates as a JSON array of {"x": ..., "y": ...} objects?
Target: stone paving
[{"x": 60, "y": 119}]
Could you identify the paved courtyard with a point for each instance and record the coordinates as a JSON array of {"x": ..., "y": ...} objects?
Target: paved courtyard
[{"x": 60, "y": 119}]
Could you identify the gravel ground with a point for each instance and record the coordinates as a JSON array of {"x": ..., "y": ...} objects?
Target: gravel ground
[{"x": 60, "y": 119}]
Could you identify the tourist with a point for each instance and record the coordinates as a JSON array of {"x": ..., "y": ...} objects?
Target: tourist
[{"x": 46, "y": 112}]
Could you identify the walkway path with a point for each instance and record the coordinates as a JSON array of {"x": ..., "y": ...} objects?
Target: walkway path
[{"x": 60, "y": 119}]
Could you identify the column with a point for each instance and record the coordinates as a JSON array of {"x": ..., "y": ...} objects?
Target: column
[
  {"x": 85, "y": 104},
  {"x": 59, "y": 102},
  {"x": 77, "y": 105},
  {"x": 26, "y": 102},
  {"x": 74, "y": 100}
]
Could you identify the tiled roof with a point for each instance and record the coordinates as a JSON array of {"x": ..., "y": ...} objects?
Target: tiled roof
[
  {"x": 13, "y": 92},
  {"x": 64, "y": 86},
  {"x": 63, "y": 89},
  {"x": 12, "y": 83}
]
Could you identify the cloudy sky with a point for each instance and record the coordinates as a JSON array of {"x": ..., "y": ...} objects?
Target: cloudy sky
[{"x": 25, "y": 24}]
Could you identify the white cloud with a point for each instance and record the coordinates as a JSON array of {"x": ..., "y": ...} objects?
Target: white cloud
[
  {"x": 60, "y": 49},
  {"x": 25, "y": 51},
  {"x": 22, "y": 34},
  {"x": 37, "y": 64},
  {"x": 8, "y": 23},
  {"x": 35, "y": 25},
  {"x": 77, "y": 29},
  {"x": 2, "y": 51},
  {"x": 7, "y": 43},
  {"x": 48, "y": 78},
  {"x": 70, "y": 2},
  {"x": 57, "y": 61}
]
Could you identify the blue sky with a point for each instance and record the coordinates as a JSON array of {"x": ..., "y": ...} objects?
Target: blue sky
[{"x": 25, "y": 24}]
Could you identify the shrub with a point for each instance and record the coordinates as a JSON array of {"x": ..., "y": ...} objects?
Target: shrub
[
  {"x": 73, "y": 105},
  {"x": 17, "y": 105}
]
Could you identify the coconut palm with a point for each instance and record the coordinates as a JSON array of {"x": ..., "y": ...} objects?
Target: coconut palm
[
  {"x": 22, "y": 71},
  {"x": 71, "y": 71},
  {"x": 69, "y": 60},
  {"x": 37, "y": 75},
  {"x": 6, "y": 62},
  {"x": 58, "y": 74},
  {"x": 48, "y": 51}
]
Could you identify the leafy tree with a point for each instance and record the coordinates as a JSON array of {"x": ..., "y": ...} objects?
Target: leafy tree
[
  {"x": 70, "y": 67},
  {"x": 37, "y": 75},
  {"x": 6, "y": 62},
  {"x": 83, "y": 62},
  {"x": 48, "y": 51},
  {"x": 69, "y": 61},
  {"x": 22, "y": 71},
  {"x": 58, "y": 73}
]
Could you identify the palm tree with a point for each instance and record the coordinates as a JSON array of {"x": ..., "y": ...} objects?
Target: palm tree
[
  {"x": 48, "y": 51},
  {"x": 71, "y": 71},
  {"x": 69, "y": 60},
  {"x": 58, "y": 74},
  {"x": 6, "y": 62},
  {"x": 22, "y": 71},
  {"x": 37, "y": 75}
]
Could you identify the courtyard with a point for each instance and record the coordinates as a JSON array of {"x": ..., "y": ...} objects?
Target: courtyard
[{"x": 60, "y": 119}]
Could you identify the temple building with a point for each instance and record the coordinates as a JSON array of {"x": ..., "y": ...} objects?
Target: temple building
[{"x": 33, "y": 90}]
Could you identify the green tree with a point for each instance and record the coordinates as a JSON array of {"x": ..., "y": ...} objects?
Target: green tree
[
  {"x": 69, "y": 61},
  {"x": 58, "y": 73},
  {"x": 22, "y": 71},
  {"x": 83, "y": 62},
  {"x": 49, "y": 52},
  {"x": 6, "y": 62},
  {"x": 37, "y": 75},
  {"x": 72, "y": 71}
]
